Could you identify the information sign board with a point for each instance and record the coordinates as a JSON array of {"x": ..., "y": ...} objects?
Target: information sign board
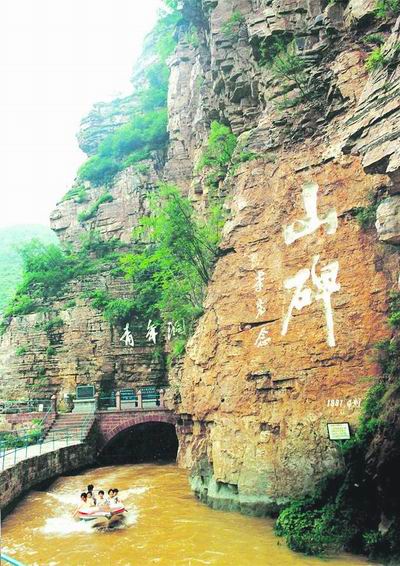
[
  {"x": 85, "y": 392},
  {"x": 128, "y": 395},
  {"x": 338, "y": 431}
]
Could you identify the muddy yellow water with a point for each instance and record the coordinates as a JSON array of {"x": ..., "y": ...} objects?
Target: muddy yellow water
[{"x": 166, "y": 526}]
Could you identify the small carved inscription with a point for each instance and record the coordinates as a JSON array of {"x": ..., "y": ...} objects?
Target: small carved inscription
[{"x": 349, "y": 403}]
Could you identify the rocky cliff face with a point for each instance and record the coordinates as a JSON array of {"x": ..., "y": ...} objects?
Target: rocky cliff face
[
  {"x": 69, "y": 342},
  {"x": 299, "y": 294},
  {"x": 103, "y": 119}
]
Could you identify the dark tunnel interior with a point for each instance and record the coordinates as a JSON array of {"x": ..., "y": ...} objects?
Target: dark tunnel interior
[{"x": 146, "y": 442}]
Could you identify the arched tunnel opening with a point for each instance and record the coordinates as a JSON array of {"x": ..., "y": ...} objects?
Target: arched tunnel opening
[{"x": 145, "y": 442}]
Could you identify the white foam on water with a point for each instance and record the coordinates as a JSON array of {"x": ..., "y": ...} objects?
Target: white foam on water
[
  {"x": 130, "y": 518},
  {"x": 66, "y": 498},
  {"x": 135, "y": 491},
  {"x": 65, "y": 526}
]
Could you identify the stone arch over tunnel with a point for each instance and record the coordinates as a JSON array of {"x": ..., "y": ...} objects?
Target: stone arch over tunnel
[{"x": 145, "y": 438}]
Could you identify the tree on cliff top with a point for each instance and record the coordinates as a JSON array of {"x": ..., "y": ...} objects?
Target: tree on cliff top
[{"x": 147, "y": 129}]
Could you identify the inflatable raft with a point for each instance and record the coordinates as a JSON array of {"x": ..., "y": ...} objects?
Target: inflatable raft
[{"x": 104, "y": 519}]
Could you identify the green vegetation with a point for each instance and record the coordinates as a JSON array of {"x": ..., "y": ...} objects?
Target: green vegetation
[
  {"x": 231, "y": 27},
  {"x": 11, "y": 239},
  {"x": 77, "y": 194},
  {"x": 388, "y": 354},
  {"x": 170, "y": 272},
  {"x": 192, "y": 37},
  {"x": 130, "y": 143},
  {"x": 374, "y": 39},
  {"x": 99, "y": 170},
  {"x": 247, "y": 156},
  {"x": 366, "y": 216},
  {"x": 375, "y": 59},
  {"x": 53, "y": 324},
  {"x": 290, "y": 69},
  {"x": 271, "y": 48},
  {"x": 94, "y": 208},
  {"x": 142, "y": 168},
  {"x": 51, "y": 351},
  {"x": 217, "y": 154},
  {"x": 20, "y": 305},
  {"x": 394, "y": 309},
  {"x": 20, "y": 351},
  {"x": 92, "y": 243},
  {"x": 338, "y": 514},
  {"x": 146, "y": 130},
  {"x": 116, "y": 311},
  {"x": 47, "y": 269},
  {"x": 40, "y": 379},
  {"x": 70, "y": 304},
  {"x": 387, "y": 8},
  {"x": 31, "y": 436}
]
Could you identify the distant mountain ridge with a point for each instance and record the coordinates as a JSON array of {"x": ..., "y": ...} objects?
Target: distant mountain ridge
[{"x": 10, "y": 262}]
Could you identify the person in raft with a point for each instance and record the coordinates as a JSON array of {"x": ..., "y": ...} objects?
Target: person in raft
[
  {"x": 90, "y": 493},
  {"x": 83, "y": 505},
  {"x": 110, "y": 496},
  {"x": 102, "y": 502},
  {"x": 117, "y": 501}
]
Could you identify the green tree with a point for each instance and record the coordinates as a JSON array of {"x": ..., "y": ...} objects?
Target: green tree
[
  {"x": 171, "y": 270},
  {"x": 217, "y": 154}
]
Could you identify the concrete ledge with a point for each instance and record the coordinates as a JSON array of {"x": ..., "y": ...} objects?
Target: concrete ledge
[
  {"x": 226, "y": 497},
  {"x": 28, "y": 473}
]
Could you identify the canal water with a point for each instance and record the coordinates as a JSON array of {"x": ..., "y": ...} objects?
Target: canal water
[{"x": 166, "y": 526}]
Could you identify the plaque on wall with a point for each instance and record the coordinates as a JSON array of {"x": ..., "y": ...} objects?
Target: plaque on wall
[
  {"x": 128, "y": 395},
  {"x": 339, "y": 431},
  {"x": 85, "y": 392}
]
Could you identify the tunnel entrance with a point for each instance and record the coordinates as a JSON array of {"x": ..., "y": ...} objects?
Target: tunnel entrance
[{"x": 146, "y": 442}]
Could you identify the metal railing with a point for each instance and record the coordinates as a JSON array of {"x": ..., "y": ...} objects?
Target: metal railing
[
  {"x": 24, "y": 405},
  {"x": 10, "y": 455},
  {"x": 107, "y": 401},
  {"x": 141, "y": 398},
  {"x": 10, "y": 560},
  {"x": 38, "y": 430}
]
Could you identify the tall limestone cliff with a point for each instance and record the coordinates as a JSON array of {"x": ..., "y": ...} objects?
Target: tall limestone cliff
[{"x": 299, "y": 294}]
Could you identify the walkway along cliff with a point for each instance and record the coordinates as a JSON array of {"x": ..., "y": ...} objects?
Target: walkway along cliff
[{"x": 308, "y": 265}]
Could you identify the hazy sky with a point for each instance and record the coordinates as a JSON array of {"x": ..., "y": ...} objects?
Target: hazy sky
[{"x": 57, "y": 58}]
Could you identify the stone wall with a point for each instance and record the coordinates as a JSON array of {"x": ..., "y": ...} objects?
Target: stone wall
[
  {"x": 18, "y": 422},
  {"x": 29, "y": 473}
]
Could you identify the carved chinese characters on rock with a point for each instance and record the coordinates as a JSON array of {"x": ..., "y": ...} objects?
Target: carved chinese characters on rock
[
  {"x": 127, "y": 337},
  {"x": 175, "y": 329},
  {"x": 306, "y": 285},
  {"x": 262, "y": 339},
  {"x": 322, "y": 288},
  {"x": 172, "y": 329},
  {"x": 311, "y": 221},
  {"x": 152, "y": 333}
]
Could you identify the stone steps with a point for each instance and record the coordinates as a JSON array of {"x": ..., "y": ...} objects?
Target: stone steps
[{"x": 75, "y": 426}]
